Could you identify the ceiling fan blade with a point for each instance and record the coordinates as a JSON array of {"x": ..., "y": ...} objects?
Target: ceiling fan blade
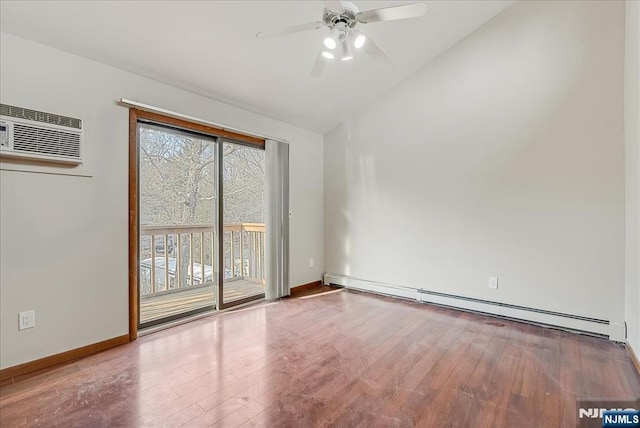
[
  {"x": 392, "y": 13},
  {"x": 372, "y": 48},
  {"x": 293, "y": 29},
  {"x": 334, "y": 6},
  {"x": 318, "y": 65}
]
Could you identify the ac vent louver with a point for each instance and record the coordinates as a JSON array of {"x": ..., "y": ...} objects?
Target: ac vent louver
[
  {"x": 39, "y": 116},
  {"x": 38, "y": 136},
  {"x": 45, "y": 141}
]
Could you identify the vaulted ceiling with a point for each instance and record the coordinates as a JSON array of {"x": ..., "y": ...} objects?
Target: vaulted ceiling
[{"x": 210, "y": 47}]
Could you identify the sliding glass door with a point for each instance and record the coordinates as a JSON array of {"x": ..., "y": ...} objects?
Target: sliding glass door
[
  {"x": 197, "y": 252},
  {"x": 177, "y": 235},
  {"x": 243, "y": 219}
]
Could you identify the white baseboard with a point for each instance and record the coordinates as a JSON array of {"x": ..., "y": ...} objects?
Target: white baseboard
[{"x": 611, "y": 329}]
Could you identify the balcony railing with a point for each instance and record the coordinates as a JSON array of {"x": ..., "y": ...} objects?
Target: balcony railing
[{"x": 178, "y": 257}]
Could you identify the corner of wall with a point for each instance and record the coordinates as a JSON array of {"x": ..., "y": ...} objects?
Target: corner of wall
[{"x": 632, "y": 173}]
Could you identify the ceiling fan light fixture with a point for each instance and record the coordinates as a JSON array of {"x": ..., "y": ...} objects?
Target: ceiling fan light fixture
[
  {"x": 346, "y": 50},
  {"x": 359, "y": 41},
  {"x": 330, "y": 41},
  {"x": 327, "y": 55}
]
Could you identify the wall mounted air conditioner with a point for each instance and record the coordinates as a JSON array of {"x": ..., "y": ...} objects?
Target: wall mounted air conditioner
[{"x": 38, "y": 136}]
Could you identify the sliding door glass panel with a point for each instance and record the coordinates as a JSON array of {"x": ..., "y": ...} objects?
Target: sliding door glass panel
[
  {"x": 243, "y": 215},
  {"x": 177, "y": 242}
]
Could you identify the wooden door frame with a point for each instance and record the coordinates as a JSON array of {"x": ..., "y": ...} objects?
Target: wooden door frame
[{"x": 135, "y": 115}]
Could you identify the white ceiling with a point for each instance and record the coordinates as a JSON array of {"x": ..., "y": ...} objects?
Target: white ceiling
[{"x": 209, "y": 47}]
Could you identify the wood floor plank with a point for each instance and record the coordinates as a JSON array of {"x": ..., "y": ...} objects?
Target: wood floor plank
[{"x": 341, "y": 359}]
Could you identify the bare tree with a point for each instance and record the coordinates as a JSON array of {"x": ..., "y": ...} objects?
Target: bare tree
[{"x": 178, "y": 183}]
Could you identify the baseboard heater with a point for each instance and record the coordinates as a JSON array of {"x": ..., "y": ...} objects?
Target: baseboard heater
[{"x": 595, "y": 326}]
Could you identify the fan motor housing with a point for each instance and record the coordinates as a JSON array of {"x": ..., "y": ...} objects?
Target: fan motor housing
[{"x": 346, "y": 17}]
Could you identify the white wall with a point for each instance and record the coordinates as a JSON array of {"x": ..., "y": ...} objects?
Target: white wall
[
  {"x": 504, "y": 156},
  {"x": 632, "y": 171},
  {"x": 64, "y": 238}
]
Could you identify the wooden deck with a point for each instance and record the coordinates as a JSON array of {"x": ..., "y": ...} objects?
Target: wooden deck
[{"x": 179, "y": 301}]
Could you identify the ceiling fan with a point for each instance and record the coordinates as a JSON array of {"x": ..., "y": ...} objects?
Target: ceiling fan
[{"x": 342, "y": 18}]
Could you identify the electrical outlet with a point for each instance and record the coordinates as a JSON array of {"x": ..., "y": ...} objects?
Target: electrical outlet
[
  {"x": 493, "y": 282},
  {"x": 26, "y": 319},
  {"x": 310, "y": 263}
]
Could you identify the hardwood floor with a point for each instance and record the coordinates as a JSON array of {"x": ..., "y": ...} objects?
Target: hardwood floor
[
  {"x": 336, "y": 359},
  {"x": 310, "y": 290}
]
